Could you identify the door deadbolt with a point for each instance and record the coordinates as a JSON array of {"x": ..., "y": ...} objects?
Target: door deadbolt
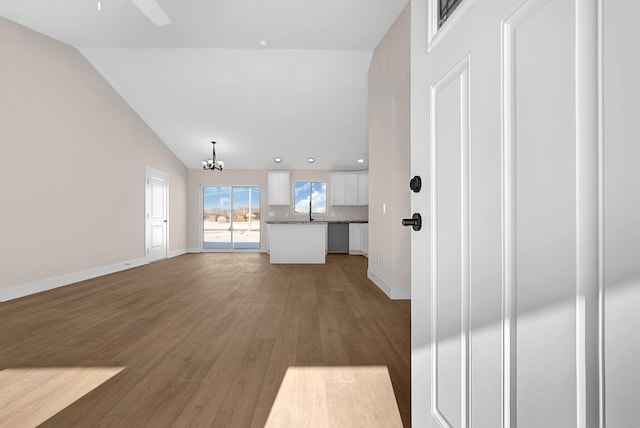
[{"x": 415, "y": 184}]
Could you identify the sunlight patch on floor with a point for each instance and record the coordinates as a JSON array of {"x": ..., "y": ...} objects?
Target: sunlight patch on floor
[
  {"x": 351, "y": 396},
  {"x": 30, "y": 396}
]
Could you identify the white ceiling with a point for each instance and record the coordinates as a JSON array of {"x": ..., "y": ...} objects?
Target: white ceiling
[{"x": 204, "y": 77}]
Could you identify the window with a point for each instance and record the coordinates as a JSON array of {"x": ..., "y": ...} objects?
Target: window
[
  {"x": 231, "y": 217},
  {"x": 445, "y": 9},
  {"x": 310, "y": 196}
]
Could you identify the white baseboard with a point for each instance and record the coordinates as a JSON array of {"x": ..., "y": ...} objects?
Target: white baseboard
[
  {"x": 176, "y": 253},
  {"x": 394, "y": 293},
  {"x": 194, "y": 250},
  {"x": 358, "y": 253},
  {"x": 62, "y": 280}
]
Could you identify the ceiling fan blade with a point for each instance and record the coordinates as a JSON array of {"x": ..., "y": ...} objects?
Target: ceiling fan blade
[{"x": 153, "y": 11}]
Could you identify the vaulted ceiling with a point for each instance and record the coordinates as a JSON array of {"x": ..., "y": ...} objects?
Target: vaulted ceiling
[{"x": 204, "y": 76}]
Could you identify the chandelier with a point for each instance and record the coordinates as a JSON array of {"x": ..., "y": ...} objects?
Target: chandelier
[{"x": 211, "y": 164}]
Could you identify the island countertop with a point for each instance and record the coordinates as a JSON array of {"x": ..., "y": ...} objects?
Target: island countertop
[
  {"x": 314, "y": 221},
  {"x": 295, "y": 222}
]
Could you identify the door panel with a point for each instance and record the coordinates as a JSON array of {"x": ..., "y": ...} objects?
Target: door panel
[
  {"x": 542, "y": 53},
  {"x": 246, "y": 218},
  {"x": 466, "y": 263},
  {"x": 156, "y": 216},
  {"x": 217, "y": 217},
  {"x": 621, "y": 207},
  {"x": 157, "y": 213},
  {"x": 502, "y": 137},
  {"x": 450, "y": 273},
  {"x": 553, "y": 216}
]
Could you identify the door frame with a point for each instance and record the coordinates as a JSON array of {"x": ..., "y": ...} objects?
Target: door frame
[{"x": 148, "y": 173}]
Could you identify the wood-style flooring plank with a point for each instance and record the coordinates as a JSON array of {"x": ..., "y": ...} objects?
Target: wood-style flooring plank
[{"x": 207, "y": 339}]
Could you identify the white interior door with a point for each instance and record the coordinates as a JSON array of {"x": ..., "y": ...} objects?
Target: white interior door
[
  {"x": 620, "y": 205},
  {"x": 501, "y": 332},
  {"x": 156, "y": 214}
]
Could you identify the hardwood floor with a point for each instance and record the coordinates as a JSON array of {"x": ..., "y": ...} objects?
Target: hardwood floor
[{"x": 206, "y": 339}]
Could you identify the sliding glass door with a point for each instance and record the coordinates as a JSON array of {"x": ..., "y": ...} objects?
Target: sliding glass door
[
  {"x": 231, "y": 217},
  {"x": 245, "y": 229}
]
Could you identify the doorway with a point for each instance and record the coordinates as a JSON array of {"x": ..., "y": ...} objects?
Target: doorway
[{"x": 231, "y": 217}]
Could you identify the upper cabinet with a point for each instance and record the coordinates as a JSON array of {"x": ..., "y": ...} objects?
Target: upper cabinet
[
  {"x": 349, "y": 188},
  {"x": 337, "y": 189},
  {"x": 280, "y": 188},
  {"x": 363, "y": 188}
]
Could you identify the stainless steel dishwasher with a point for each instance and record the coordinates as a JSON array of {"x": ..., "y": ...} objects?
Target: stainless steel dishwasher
[{"x": 338, "y": 237}]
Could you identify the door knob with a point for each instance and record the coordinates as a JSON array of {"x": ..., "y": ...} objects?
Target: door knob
[
  {"x": 415, "y": 184},
  {"x": 415, "y": 221}
]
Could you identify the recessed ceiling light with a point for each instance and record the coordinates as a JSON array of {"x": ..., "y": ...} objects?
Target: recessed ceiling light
[
  {"x": 311, "y": 160},
  {"x": 360, "y": 160},
  {"x": 263, "y": 43},
  {"x": 277, "y": 160}
]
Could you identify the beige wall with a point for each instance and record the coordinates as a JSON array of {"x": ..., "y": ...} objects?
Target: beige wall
[
  {"x": 72, "y": 165},
  {"x": 390, "y": 161},
  {"x": 199, "y": 178}
]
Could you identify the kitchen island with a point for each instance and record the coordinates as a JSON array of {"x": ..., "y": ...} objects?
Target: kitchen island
[{"x": 297, "y": 242}]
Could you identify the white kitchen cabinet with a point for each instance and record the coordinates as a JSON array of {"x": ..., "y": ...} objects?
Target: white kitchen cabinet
[
  {"x": 349, "y": 188},
  {"x": 338, "y": 188},
  {"x": 279, "y": 188},
  {"x": 267, "y": 243},
  {"x": 363, "y": 188},
  {"x": 354, "y": 238},
  {"x": 364, "y": 239},
  {"x": 359, "y": 238}
]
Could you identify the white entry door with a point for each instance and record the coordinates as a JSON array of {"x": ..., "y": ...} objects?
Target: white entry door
[
  {"x": 498, "y": 269},
  {"x": 156, "y": 214}
]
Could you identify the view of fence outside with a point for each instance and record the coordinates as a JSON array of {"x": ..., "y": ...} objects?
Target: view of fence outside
[{"x": 231, "y": 217}]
